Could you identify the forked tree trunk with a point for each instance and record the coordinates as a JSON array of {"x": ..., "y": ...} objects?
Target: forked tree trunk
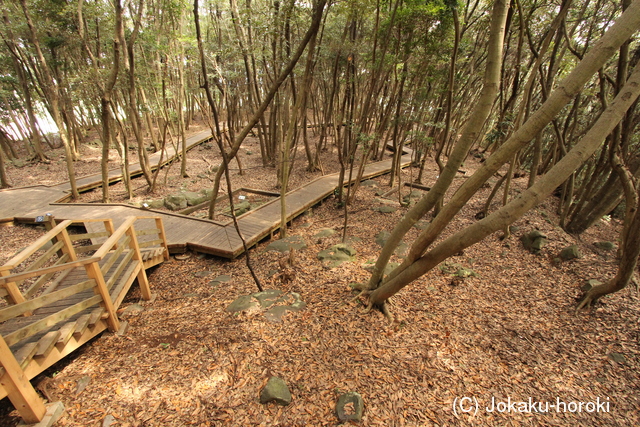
[
  {"x": 526, "y": 200},
  {"x": 618, "y": 33},
  {"x": 469, "y": 135}
]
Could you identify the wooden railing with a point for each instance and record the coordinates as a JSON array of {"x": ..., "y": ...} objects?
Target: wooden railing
[{"x": 62, "y": 266}]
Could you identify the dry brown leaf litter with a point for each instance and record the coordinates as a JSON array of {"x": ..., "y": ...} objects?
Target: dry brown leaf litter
[{"x": 510, "y": 332}]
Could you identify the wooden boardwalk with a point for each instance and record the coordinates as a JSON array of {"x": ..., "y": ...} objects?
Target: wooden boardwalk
[
  {"x": 183, "y": 232},
  {"x": 62, "y": 291}
]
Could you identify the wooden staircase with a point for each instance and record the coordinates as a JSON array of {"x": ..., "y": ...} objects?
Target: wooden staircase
[{"x": 65, "y": 289}]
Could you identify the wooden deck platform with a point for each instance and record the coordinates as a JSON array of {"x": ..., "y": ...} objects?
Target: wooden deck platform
[
  {"x": 62, "y": 291},
  {"x": 183, "y": 232}
]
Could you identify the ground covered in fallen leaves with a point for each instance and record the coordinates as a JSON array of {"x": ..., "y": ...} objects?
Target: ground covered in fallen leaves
[{"x": 507, "y": 333}]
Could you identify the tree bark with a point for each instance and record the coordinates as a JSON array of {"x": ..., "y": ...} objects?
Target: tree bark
[{"x": 525, "y": 201}]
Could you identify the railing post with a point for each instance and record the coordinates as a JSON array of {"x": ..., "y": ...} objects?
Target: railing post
[
  {"x": 94, "y": 272},
  {"x": 163, "y": 236},
  {"x": 145, "y": 290},
  {"x": 109, "y": 228},
  {"x": 14, "y": 296},
  {"x": 19, "y": 390}
]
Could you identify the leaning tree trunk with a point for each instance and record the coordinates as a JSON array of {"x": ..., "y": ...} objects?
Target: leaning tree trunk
[
  {"x": 617, "y": 34},
  {"x": 526, "y": 200},
  {"x": 469, "y": 135}
]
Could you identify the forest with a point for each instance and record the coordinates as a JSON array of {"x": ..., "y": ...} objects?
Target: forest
[{"x": 504, "y": 234}]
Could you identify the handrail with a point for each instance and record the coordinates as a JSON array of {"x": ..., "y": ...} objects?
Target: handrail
[
  {"x": 108, "y": 244},
  {"x": 53, "y": 269},
  {"x": 35, "y": 246}
]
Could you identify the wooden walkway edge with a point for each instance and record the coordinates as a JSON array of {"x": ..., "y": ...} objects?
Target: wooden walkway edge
[{"x": 182, "y": 232}]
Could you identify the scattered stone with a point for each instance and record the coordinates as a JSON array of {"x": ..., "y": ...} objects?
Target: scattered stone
[
  {"x": 402, "y": 249},
  {"x": 194, "y": 198},
  {"x": 249, "y": 152},
  {"x": 324, "y": 232},
  {"x": 534, "y": 241},
  {"x": 242, "y": 207},
  {"x": 243, "y": 303},
  {"x": 274, "y": 314},
  {"x": 514, "y": 229},
  {"x": 182, "y": 257},
  {"x": 132, "y": 310},
  {"x": 277, "y": 391},
  {"x": 19, "y": 163},
  {"x": 268, "y": 298},
  {"x": 337, "y": 254},
  {"x": 607, "y": 246},
  {"x": 203, "y": 273},
  {"x": 82, "y": 384},
  {"x": 570, "y": 252},
  {"x": 284, "y": 245},
  {"x": 202, "y": 176},
  {"x": 385, "y": 209},
  {"x": 591, "y": 283},
  {"x": 155, "y": 204},
  {"x": 175, "y": 202},
  {"x": 617, "y": 357},
  {"x": 350, "y": 407},
  {"x": 369, "y": 183},
  {"x": 382, "y": 237},
  {"x": 108, "y": 420}
]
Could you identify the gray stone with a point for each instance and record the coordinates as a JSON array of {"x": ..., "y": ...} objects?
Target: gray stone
[
  {"x": 350, "y": 407},
  {"x": 277, "y": 391},
  {"x": 324, "y": 232},
  {"x": 155, "y": 204},
  {"x": 283, "y": 245},
  {"x": 132, "y": 310},
  {"x": 242, "y": 207},
  {"x": 386, "y": 209},
  {"x": 369, "y": 183},
  {"x": 194, "y": 198},
  {"x": 175, "y": 202},
  {"x": 245, "y": 302},
  {"x": 534, "y": 241},
  {"x": 223, "y": 278},
  {"x": 382, "y": 237},
  {"x": 607, "y": 246},
  {"x": 402, "y": 249},
  {"x": 617, "y": 357},
  {"x": 570, "y": 252},
  {"x": 337, "y": 254},
  {"x": 202, "y": 176},
  {"x": 274, "y": 314},
  {"x": 203, "y": 273},
  {"x": 19, "y": 163},
  {"x": 268, "y": 298}
]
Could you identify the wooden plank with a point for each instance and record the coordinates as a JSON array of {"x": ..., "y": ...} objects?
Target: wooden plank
[
  {"x": 37, "y": 285},
  {"x": 46, "y": 343},
  {"x": 35, "y": 246},
  {"x": 49, "y": 321},
  {"x": 66, "y": 332},
  {"x": 113, "y": 276},
  {"x": 96, "y": 315},
  {"x": 25, "y": 354},
  {"x": 82, "y": 324},
  {"x": 31, "y": 305},
  {"x": 18, "y": 388}
]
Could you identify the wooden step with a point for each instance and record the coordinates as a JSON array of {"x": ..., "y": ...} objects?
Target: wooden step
[
  {"x": 66, "y": 332},
  {"x": 96, "y": 315},
  {"x": 26, "y": 353},
  {"x": 46, "y": 343},
  {"x": 82, "y": 324}
]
